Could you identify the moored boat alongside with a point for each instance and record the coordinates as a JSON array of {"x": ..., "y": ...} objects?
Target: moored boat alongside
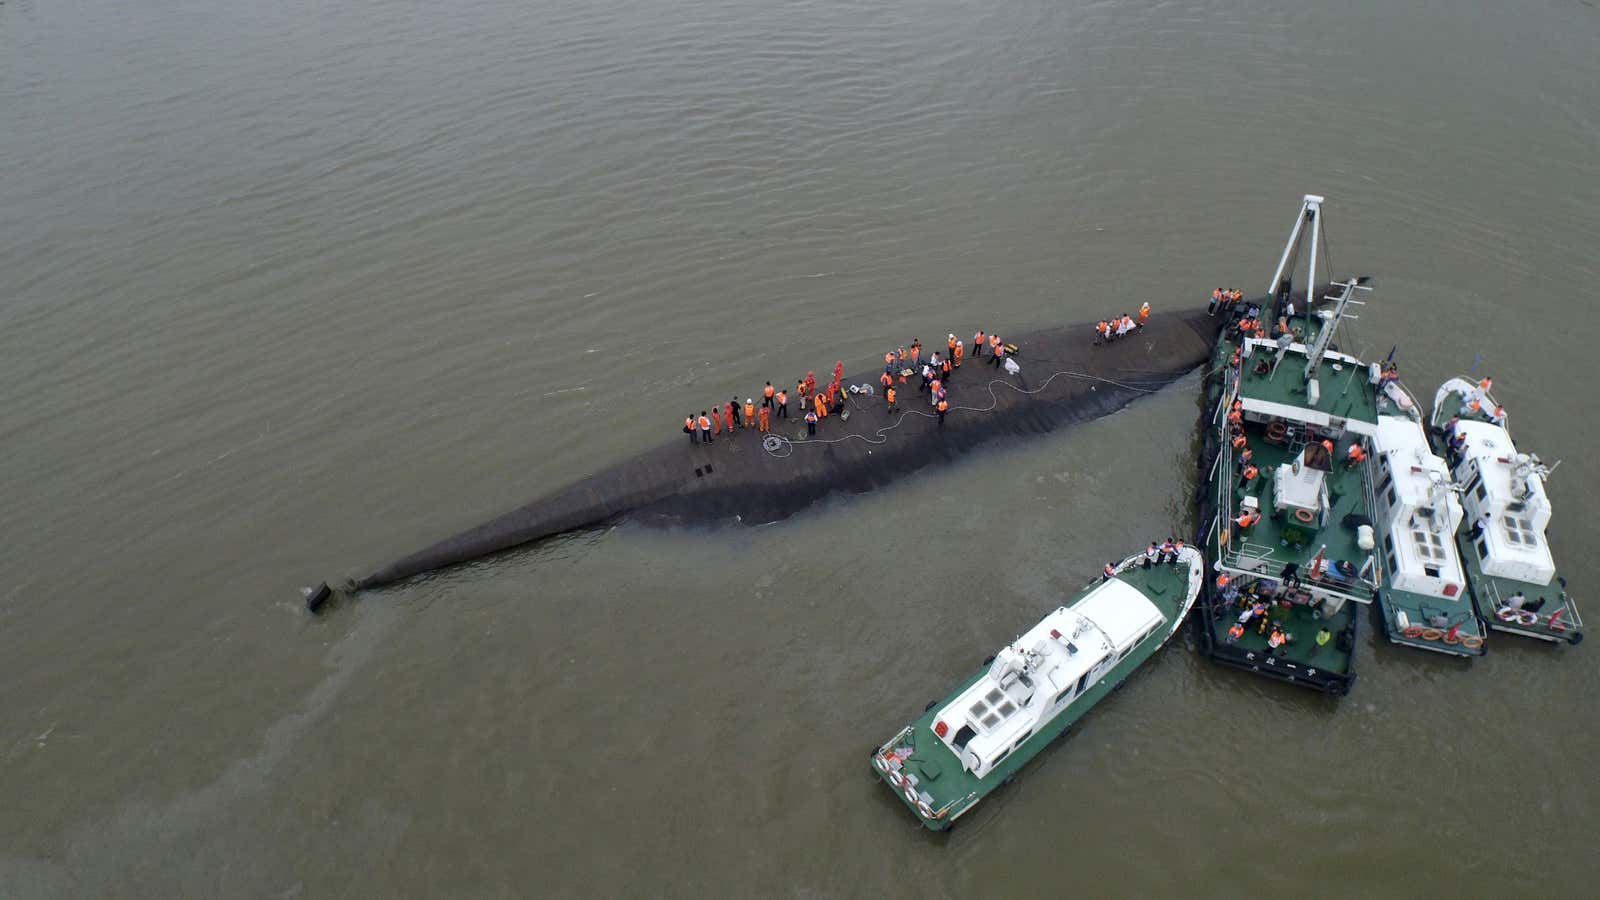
[
  {"x": 1035, "y": 688},
  {"x": 1501, "y": 538},
  {"x": 1425, "y": 602}
]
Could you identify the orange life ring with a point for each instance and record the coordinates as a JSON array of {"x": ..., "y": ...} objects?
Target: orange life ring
[
  {"x": 1452, "y": 637},
  {"x": 1277, "y": 431},
  {"x": 1505, "y": 614},
  {"x": 1471, "y": 641},
  {"x": 1412, "y": 631},
  {"x": 1431, "y": 634},
  {"x": 1305, "y": 516},
  {"x": 925, "y": 810}
]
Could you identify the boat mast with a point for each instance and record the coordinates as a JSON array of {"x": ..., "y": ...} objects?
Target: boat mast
[
  {"x": 1310, "y": 211},
  {"x": 1325, "y": 336}
]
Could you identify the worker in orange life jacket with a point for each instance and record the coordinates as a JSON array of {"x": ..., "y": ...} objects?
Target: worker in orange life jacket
[
  {"x": 960, "y": 351},
  {"x": 750, "y": 412},
  {"x": 885, "y": 380},
  {"x": 1245, "y": 520},
  {"x": 1144, "y": 314},
  {"x": 705, "y": 427},
  {"x": 1235, "y": 631},
  {"x": 731, "y": 414},
  {"x": 944, "y": 405},
  {"x": 1354, "y": 456},
  {"x": 783, "y": 404},
  {"x": 767, "y": 394},
  {"x": 821, "y": 404},
  {"x": 1247, "y": 476},
  {"x": 950, "y": 344},
  {"x": 690, "y": 429},
  {"x": 716, "y": 420},
  {"x": 889, "y": 397},
  {"x": 764, "y": 418}
]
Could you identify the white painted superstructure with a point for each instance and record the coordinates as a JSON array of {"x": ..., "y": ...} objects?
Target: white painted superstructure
[{"x": 1419, "y": 512}]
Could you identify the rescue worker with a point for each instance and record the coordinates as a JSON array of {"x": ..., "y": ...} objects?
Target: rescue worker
[
  {"x": 766, "y": 396},
  {"x": 977, "y": 344},
  {"x": 764, "y": 419},
  {"x": 927, "y": 378},
  {"x": 1498, "y": 417},
  {"x": 1102, "y": 331},
  {"x": 1245, "y": 520},
  {"x": 1108, "y": 571},
  {"x": 749, "y": 412},
  {"x": 800, "y": 391},
  {"x": 732, "y": 414},
  {"x": 999, "y": 349},
  {"x": 888, "y": 362},
  {"x": 1485, "y": 384},
  {"x": 1247, "y": 476},
  {"x": 950, "y": 345},
  {"x": 690, "y": 429},
  {"x": 1216, "y": 301},
  {"x": 1151, "y": 554},
  {"x": 889, "y": 396},
  {"x": 1167, "y": 551},
  {"x": 811, "y": 382},
  {"x": 1354, "y": 456},
  {"x": 1235, "y": 631},
  {"x": 1144, "y": 314},
  {"x": 1239, "y": 440},
  {"x": 1245, "y": 456},
  {"x": 916, "y": 351},
  {"x": 994, "y": 342},
  {"x": 821, "y": 406},
  {"x": 1277, "y": 638},
  {"x": 934, "y": 387},
  {"x": 944, "y": 405},
  {"x": 1323, "y": 636},
  {"x": 960, "y": 351},
  {"x": 838, "y": 371},
  {"x": 885, "y": 380},
  {"x": 716, "y": 420},
  {"x": 944, "y": 369},
  {"x": 705, "y": 427},
  {"x": 811, "y": 424},
  {"x": 783, "y": 404}
]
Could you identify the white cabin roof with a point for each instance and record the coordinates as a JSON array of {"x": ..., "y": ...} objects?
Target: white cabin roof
[
  {"x": 1410, "y": 461},
  {"x": 1424, "y": 514},
  {"x": 1030, "y": 679},
  {"x": 1514, "y": 544}
]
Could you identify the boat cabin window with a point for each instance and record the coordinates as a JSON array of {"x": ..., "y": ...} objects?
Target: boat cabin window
[
  {"x": 1389, "y": 495},
  {"x": 994, "y": 708},
  {"x": 1065, "y": 693},
  {"x": 1483, "y": 548},
  {"x": 1082, "y": 680},
  {"x": 1516, "y": 506},
  {"x": 963, "y": 736},
  {"x": 1482, "y": 494},
  {"x": 1429, "y": 547},
  {"x": 1025, "y": 735},
  {"x": 1520, "y": 532}
]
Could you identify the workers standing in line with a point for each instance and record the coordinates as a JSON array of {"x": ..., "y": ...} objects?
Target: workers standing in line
[
  {"x": 691, "y": 430},
  {"x": 960, "y": 351},
  {"x": 767, "y": 395},
  {"x": 944, "y": 405},
  {"x": 890, "y": 396},
  {"x": 705, "y": 427},
  {"x": 811, "y": 424},
  {"x": 783, "y": 404},
  {"x": 750, "y": 412},
  {"x": 764, "y": 418}
]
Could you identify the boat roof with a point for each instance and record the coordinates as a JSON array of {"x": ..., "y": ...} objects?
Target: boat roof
[
  {"x": 1516, "y": 545},
  {"x": 1410, "y": 460},
  {"x": 1345, "y": 398},
  {"x": 1068, "y": 643}
]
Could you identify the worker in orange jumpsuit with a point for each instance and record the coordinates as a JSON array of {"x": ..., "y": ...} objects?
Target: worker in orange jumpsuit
[
  {"x": 750, "y": 412},
  {"x": 730, "y": 414},
  {"x": 800, "y": 391},
  {"x": 811, "y": 382},
  {"x": 951, "y": 345},
  {"x": 765, "y": 417},
  {"x": 716, "y": 420},
  {"x": 890, "y": 396},
  {"x": 1144, "y": 314},
  {"x": 838, "y": 371},
  {"x": 821, "y": 404}
]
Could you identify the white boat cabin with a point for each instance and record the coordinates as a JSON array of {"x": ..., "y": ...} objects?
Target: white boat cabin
[
  {"x": 1044, "y": 670},
  {"x": 1419, "y": 510},
  {"x": 1509, "y": 488}
]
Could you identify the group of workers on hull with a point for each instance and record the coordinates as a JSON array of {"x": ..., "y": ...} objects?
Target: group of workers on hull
[
  {"x": 1109, "y": 329},
  {"x": 899, "y": 365}
]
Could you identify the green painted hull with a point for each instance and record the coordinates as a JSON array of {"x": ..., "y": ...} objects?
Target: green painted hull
[{"x": 955, "y": 791}]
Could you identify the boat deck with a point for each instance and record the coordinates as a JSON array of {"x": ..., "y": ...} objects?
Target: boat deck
[
  {"x": 1345, "y": 393},
  {"x": 939, "y": 773}
]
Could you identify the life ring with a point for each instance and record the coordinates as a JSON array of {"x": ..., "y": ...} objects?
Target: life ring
[
  {"x": 1277, "y": 431},
  {"x": 1527, "y": 618},
  {"x": 911, "y": 796},
  {"x": 925, "y": 809},
  {"x": 1412, "y": 631},
  {"x": 1305, "y": 516},
  {"x": 881, "y": 763},
  {"x": 1505, "y": 614},
  {"x": 1431, "y": 634},
  {"x": 1471, "y": 641},
  {"x": 1452, "y": 637}
]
